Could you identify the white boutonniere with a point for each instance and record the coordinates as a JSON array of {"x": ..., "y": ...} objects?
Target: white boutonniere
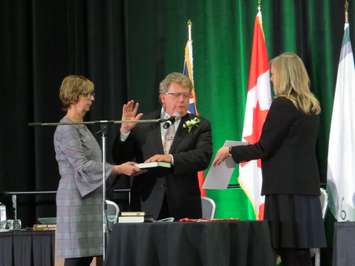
[{"x": 189, "y": 124}]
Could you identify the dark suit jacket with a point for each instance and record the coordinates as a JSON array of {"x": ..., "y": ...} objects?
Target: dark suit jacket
[
  {"x": 192, "y": 152},
  {"x": 287, "y": 147}
]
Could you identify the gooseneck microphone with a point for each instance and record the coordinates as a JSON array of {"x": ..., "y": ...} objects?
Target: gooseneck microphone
[{"x": 168, "y": 122}]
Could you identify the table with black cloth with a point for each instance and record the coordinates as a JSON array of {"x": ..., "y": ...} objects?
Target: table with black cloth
[
  {"x": 237, "y": 243},
  {"x": 26, "y": 248},
  {"x": 344, "y": 244}
]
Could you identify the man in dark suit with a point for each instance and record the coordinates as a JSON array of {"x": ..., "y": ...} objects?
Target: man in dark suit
[{"x": 186, "y": 144}]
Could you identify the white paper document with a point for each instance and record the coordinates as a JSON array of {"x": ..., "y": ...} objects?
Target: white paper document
[{"x": 219, "y": 177}]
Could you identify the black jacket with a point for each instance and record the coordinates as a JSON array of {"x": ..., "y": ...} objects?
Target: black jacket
[
  {"x": 192, "y": 152},
  {"x": 287, "y": 148}
]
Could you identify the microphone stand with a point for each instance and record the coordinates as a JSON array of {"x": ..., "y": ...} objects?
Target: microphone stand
[{"x": 103, "y": 130}]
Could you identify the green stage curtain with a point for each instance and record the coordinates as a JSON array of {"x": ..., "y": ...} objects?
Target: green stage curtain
[{"x": 222, "y": 34}]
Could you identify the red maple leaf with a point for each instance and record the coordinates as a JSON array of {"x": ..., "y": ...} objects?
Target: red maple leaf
[{"x": 259, "y": 117}]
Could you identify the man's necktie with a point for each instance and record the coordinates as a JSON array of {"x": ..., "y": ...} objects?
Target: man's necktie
[{"x": 168, "y": 139}]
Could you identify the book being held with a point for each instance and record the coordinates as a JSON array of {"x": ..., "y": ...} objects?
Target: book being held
[
  {"x": 156, "y": 169},
  {"x": 154, "y": 164}
]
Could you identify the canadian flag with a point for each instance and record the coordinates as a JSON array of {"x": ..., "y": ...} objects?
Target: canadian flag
[{"x": 257, "y": 106}]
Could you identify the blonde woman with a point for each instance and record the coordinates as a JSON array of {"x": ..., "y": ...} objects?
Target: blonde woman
[
  {"x": 79, "y": 195},
  {"x": 287, "y": 148}
]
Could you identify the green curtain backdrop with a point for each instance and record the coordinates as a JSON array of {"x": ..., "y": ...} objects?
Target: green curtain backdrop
[{"x": 222, "y": 33}]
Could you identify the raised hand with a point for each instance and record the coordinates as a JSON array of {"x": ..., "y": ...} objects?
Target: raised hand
[{"x": 129, "y": 112}]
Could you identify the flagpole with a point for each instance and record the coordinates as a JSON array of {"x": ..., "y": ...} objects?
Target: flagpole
[
  {"x": 259, "y": 5},
  {"x": 189, "y": 26},
  {"x": 189, "y": 47},
  {"x": 346, "y": 9},
  {"x": 259, "y": 12}
]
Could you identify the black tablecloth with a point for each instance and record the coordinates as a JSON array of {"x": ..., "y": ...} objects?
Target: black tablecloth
[
  {"x": 242, "y": 243},
  {"x": 26, "y": 248},
  {"x": 344, "y": 244}
]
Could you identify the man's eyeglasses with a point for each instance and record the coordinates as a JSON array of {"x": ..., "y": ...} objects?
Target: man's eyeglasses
[{"x": 177, "y": 95}]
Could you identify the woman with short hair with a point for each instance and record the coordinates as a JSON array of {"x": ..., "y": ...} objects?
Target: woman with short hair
[{"x": 79, "y": 195}]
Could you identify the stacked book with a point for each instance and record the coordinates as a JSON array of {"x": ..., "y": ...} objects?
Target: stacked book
[
  {"x": 44, "y": 227},
  {"x": 134, "y": 217}
]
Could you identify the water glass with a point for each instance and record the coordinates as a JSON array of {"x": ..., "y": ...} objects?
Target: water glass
[
  {"x": 13, "y": 224},
  {"x": 2, "y": 225}
]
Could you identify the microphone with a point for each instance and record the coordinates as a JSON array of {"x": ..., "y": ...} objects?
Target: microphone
[{"x": 168, "y": 122}]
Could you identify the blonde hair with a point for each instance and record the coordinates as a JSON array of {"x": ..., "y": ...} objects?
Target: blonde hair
[
  {"x": 293, "y": 82},
  {"x": 175, "y": 77},
  {"x": 72, "y": 87}
]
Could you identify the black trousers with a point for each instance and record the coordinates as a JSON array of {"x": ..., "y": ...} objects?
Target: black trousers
[
  {"x": 164, "y": 211},
  {"x": 84, "y": 261},
  {"x": 295, "y": 257}
]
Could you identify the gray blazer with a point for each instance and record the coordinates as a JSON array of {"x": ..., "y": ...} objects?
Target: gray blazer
[{"x": 79, "y": 194}]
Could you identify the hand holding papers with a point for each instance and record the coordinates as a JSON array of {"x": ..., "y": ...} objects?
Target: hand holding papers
[{"x": 218, "y": 177}]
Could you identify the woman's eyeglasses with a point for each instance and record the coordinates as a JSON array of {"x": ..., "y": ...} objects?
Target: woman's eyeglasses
[{"x": 89, "y": 94}]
